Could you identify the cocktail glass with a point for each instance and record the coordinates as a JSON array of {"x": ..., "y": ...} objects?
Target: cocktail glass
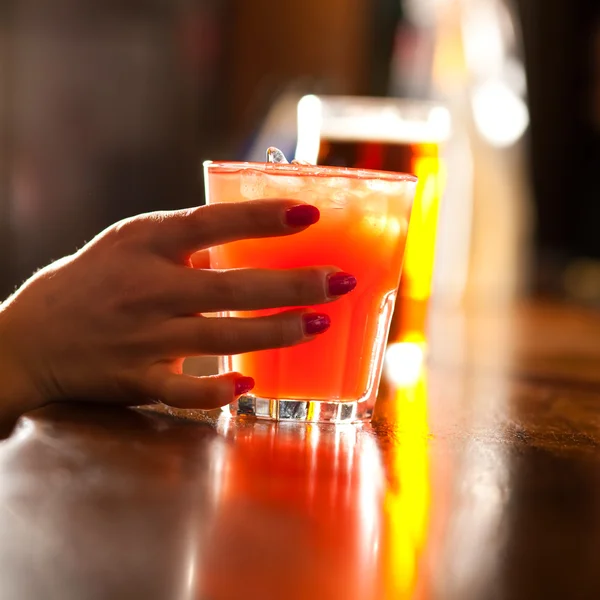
[{"x": 363, "y": 228}]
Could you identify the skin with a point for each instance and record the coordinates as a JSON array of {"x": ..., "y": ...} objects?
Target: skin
[{"x": 113, "y": 321}]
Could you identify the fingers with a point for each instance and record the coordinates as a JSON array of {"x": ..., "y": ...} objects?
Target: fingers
[
  {"x": 255, "y": 289},
  {"x": 193, "y": 336},
  {"x": 186, "y": 391},
  {"x": 178, "y": 234}
]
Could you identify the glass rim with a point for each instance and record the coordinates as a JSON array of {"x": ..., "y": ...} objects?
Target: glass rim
[
  {"x": 405, "y": 102},
  {"x": 232, "y": 166}
]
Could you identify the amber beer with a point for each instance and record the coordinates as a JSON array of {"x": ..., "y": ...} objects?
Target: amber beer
[{"x": 424, "y": 160}]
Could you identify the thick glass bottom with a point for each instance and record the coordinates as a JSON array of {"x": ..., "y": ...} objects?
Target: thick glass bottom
[{"x": 306, "y": 411}]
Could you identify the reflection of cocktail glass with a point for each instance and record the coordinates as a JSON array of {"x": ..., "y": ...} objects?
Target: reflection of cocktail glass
[
  {"x": 299, "y": 513},
  {"x": 362, "y": 230},
  {"x": 393, "y": 135}
]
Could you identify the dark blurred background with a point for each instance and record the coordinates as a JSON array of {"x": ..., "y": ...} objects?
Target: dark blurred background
[{"x": 108, "y": 108}]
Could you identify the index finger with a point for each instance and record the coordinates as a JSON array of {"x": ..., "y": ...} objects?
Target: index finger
[{"x": 184, "y": 232}]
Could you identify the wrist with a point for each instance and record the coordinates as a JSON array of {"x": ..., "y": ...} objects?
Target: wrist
[{"x": 18, "y": 392}]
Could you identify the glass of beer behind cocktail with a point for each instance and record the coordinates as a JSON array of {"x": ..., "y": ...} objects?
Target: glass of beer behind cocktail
[
  {"x": 392, "y": 135},
  {"x": 362, "y": 230}
]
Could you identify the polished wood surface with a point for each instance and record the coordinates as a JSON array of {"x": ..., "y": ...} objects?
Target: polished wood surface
[{"x": 478, "y": 479}]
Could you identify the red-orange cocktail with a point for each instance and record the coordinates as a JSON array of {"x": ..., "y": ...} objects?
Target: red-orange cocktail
[{"x": 362, "y": 230}]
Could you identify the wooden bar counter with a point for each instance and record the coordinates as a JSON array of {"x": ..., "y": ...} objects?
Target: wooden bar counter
[{"x": 478, "y": 479}]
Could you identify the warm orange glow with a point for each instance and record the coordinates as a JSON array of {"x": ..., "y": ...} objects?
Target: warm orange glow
[
  {"x": 406, "y": 504},
  {"x": 419, "y": 259}
]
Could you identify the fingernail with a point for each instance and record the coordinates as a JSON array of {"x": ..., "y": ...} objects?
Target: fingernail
[
  {"x": 339, "y": 284},
  {"x": 316, "y": 323},
  {"x": 302, "y": 215},
  {"x": 243, "y": 385}
]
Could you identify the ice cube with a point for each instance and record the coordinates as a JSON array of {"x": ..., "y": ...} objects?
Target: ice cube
[
  {"x": 336, "y": 191},
  {"x": 275, "y": 155},
  {"x": 282, "y": 186},
  {"x": 252, "y": 185},
  {"x": 375, "y": 223},
  {"x": 377, "y": 185},
  {"x": 341, "y": 183},
  {"x": 361, "y": 192},
  {"x": 377, "y": 204},
  {"x": 338, "y": 199},
  {"x": 391, "y": 188}
]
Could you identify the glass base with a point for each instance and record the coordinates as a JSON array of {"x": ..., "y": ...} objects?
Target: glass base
[{"x": 306, "y": 411}]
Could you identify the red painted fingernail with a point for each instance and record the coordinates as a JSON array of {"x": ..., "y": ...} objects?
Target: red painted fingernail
[
  {"x": 316, "y": 323},
  {"x": 302, "y": 215},
  {"x": 339, "y": 284},
  {"x": 243, "y": 385}
]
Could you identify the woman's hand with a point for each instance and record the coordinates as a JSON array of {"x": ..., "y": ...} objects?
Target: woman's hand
[{"x": 115, "y": 320}]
